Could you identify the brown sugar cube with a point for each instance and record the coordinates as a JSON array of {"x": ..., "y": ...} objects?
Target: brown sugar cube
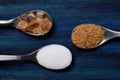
[
  {"x": 31, "y": 26},
  {"x": 43, "y": 27},
  {"x": 22, "y": 25},
  {"x": 46, "y": 25},
  {"x": 37, "y": 30}
]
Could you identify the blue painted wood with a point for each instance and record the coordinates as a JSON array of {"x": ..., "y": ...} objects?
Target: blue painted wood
[{"x": 102, "y": 63}]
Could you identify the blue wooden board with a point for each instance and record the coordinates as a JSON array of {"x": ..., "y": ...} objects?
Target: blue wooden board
[{"x": 102, "y": 63}]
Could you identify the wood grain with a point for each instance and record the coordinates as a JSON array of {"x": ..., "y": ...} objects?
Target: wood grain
[{"x": 102, "y": 63}]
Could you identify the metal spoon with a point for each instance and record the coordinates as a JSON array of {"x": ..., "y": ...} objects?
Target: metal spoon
[
  {"x": 109, "y": 34},
  {"x": 106, "y": 34},
  {"x": 12, "y": 22},
  {"x": 45, "y": 59}
]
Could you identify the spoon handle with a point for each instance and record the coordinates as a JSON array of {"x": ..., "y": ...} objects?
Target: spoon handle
[
  {"x": 9, "y": 57},
  {"x": 6, "y": 22}
]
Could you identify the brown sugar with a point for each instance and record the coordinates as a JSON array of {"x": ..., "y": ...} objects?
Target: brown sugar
[
  {"x": 87, "y": 35},
  {"x": 34, "y": 22}
]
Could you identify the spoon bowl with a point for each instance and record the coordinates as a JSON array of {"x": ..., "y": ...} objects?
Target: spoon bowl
[
  {"x": 53, "y": 56},
  {"x": 14, "y": 22},
  {"x": 89, "y": 36}
]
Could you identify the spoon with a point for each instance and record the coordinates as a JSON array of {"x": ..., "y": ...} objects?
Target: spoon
[
  {"x": 109, "y": 34},
  {"x": 89, "y": 36},
  {"x": 14, "y": 22},
  {"x": 53, "y": 56}
]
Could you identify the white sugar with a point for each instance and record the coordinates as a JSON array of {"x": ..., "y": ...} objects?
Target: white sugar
[{"x": 54, "y": 57}]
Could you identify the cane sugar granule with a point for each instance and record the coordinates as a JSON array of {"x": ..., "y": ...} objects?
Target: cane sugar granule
[{"x": 87, "y": 35}]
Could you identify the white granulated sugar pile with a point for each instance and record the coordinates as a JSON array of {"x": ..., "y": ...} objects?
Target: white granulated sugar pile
[{"x": 54, "y": 56}]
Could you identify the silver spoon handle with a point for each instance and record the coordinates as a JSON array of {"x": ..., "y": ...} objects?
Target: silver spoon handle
[
  {"x": 117, "y": 34},
  {"x": 6, "y": 22},
  {"x": 9, "y": 57}
]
